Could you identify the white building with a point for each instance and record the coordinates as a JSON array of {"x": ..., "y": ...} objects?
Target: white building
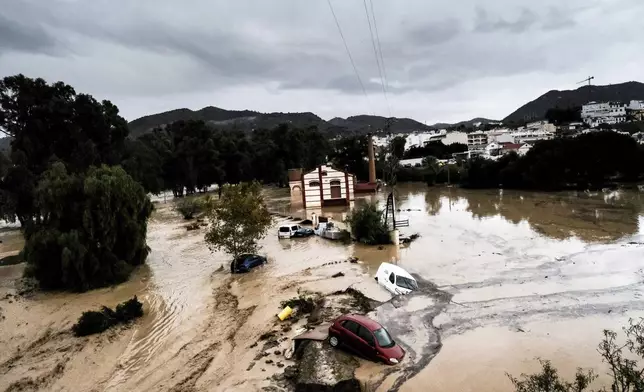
[
  {"x": 477, "y": 140},
  {"x": 543, "y": 126},
  {"x": 455, "y": 137},
  {"x": 416, "y": 139},
  {"x": 528, "y": 135},
  {"x": 501, "y": 135},
  {"x": 324, "y": 186},
  {"x": 595, "y": 113},
  {"x": 636, "y": 105},
  {"x": 493, "y": 149}
]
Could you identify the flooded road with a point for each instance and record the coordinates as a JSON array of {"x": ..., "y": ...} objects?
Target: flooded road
[{"x": 506, "y": 276}]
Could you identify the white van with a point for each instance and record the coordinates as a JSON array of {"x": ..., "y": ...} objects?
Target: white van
[
  {"x": 395, "y": 279},
  {"x": 293, "y": 231}
]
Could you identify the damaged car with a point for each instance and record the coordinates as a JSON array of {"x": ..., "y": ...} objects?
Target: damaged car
[
  {"x": 395, "y": 279},
  {"x": 246, "y": 262},
  {"x": 294, "y": 231},
  {"x": 366, "y": 338}
]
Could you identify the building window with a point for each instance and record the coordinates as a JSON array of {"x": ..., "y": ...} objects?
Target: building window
[
  {"x": 324, "y": 173},
  {"x": 314, "y": 184}
]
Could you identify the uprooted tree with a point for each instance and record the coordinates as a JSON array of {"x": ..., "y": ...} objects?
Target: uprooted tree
[
  {"x": 92, "y": 230},
  {"x": 627, "y": 375},
  {"x": 238, "y": 220}
]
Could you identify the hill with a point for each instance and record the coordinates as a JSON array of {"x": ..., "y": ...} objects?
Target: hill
[
  {"x": 536, "y": 110},
  {"x": 247, "y": 120},
  {"x": 467, "y": 124}
]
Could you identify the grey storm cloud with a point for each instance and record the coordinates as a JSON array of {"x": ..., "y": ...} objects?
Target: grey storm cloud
[
  {"x": 16, "y": 36},
  {"x": 155, "y": 50}
]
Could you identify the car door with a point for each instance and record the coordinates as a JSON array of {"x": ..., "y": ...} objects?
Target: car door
[
  {"x": 255, "y": 261},
  {"x": 367, "y": 343},
  {"x": 294, "y": 232},
  {"x": 351, "y": 339}
]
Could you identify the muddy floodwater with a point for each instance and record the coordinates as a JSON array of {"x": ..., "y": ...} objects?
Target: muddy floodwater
[{"x": 505, "y": 277}]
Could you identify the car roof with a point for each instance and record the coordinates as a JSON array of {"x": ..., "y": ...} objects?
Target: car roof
[
  {"x": 364, "y": 320},
  {"x": 396, "y": 270}
]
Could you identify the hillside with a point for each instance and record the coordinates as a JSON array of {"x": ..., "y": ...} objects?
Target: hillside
[
  {"x": 247, "y": 120},
  {"x": 536, "y": 110},
  {"x": 467, "y": 124}
]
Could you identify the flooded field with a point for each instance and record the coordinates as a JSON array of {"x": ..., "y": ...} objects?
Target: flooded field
[{"x": 507, "y": 277}]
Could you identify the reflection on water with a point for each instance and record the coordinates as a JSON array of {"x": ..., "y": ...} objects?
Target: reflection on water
[{"x": 591, "y": 217}]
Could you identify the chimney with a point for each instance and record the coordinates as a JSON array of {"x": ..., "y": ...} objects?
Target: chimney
[{"x": 372, "y": 161}]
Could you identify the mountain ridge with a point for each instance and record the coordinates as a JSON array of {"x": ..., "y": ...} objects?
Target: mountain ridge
[
  {"x": 537, "y": 108},
  {"x": 247, "y": 120}
]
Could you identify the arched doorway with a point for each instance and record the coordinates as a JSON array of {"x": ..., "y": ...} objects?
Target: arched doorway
[{"x": 336, "y": 189}]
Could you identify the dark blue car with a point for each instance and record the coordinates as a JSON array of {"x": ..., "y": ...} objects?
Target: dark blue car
[{"x": 245, "y": 263}]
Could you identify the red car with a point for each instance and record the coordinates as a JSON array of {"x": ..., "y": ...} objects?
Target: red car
[{"x": 366, "y": 338}]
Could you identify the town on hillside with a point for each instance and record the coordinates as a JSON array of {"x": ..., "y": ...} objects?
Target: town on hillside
[{"x": 492, "y": 140}]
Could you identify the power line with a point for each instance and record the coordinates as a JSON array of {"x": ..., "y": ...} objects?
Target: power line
[
  {"x": 375, "y": 53},
  {"x": 382, "y": 60},
  {"x": 353, "y": 64}
]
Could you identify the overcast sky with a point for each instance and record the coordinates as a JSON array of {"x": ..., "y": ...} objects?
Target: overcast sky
[{"x": 444, "y": 60}]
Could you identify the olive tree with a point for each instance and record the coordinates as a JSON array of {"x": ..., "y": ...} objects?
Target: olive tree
[
  {"x": 92, "y": 231},
  {"x": 238, "y": 220}
]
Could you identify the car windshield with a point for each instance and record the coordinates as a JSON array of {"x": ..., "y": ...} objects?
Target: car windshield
[
  {"x": 294, "y": 228},
  {"x": 283, "y": 229},
  {"x": 383, "y": 338},
  {"x": 406, "y": 283}
]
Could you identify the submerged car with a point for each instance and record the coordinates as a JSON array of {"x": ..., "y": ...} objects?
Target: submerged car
[
  {"x": 395, "y": 279},
  {"x": 365, "y": 337},
  {"x": 294, "y": 231},
  {"x": 246, "y": 262}
]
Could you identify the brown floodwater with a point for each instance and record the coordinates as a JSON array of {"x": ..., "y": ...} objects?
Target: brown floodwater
[
  {"x": 506, "y": 276},
  {"x": 512, "y": 276}
]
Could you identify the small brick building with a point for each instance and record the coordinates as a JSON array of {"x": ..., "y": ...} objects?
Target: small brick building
[{"x": 322, "y": 187}]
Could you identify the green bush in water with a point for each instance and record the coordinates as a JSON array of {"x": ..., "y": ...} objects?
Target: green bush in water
[
  {"x": 92, "y": 322},
  {"x": 367, "y": 225},
  {"x": 129, "y": 310}
]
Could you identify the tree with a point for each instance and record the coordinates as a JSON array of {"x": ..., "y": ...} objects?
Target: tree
[
  {"x": 50, "y": 122},
  {"x": 626, "y": 372},
  {"x": 549, "y": 381},
  {"x": 559, "y": 115},
  {"x": 92, "y": 231},
  {"x": 351, "y": 153},
  {"x": 238, "y": 219},
  {"x": 367, "y": 225},
  {"x": 398, "y": 146}
]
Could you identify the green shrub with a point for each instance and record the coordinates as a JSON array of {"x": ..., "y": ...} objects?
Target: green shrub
[
  {"x": 367, "y": 225},
  {"x": 129, "y": 310},
  {"x": 92, "y": 322},
  {"x": 189, "y": 207}
]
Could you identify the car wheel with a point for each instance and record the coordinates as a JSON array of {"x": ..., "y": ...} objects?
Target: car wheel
[{"x": 334, "y": 341}]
